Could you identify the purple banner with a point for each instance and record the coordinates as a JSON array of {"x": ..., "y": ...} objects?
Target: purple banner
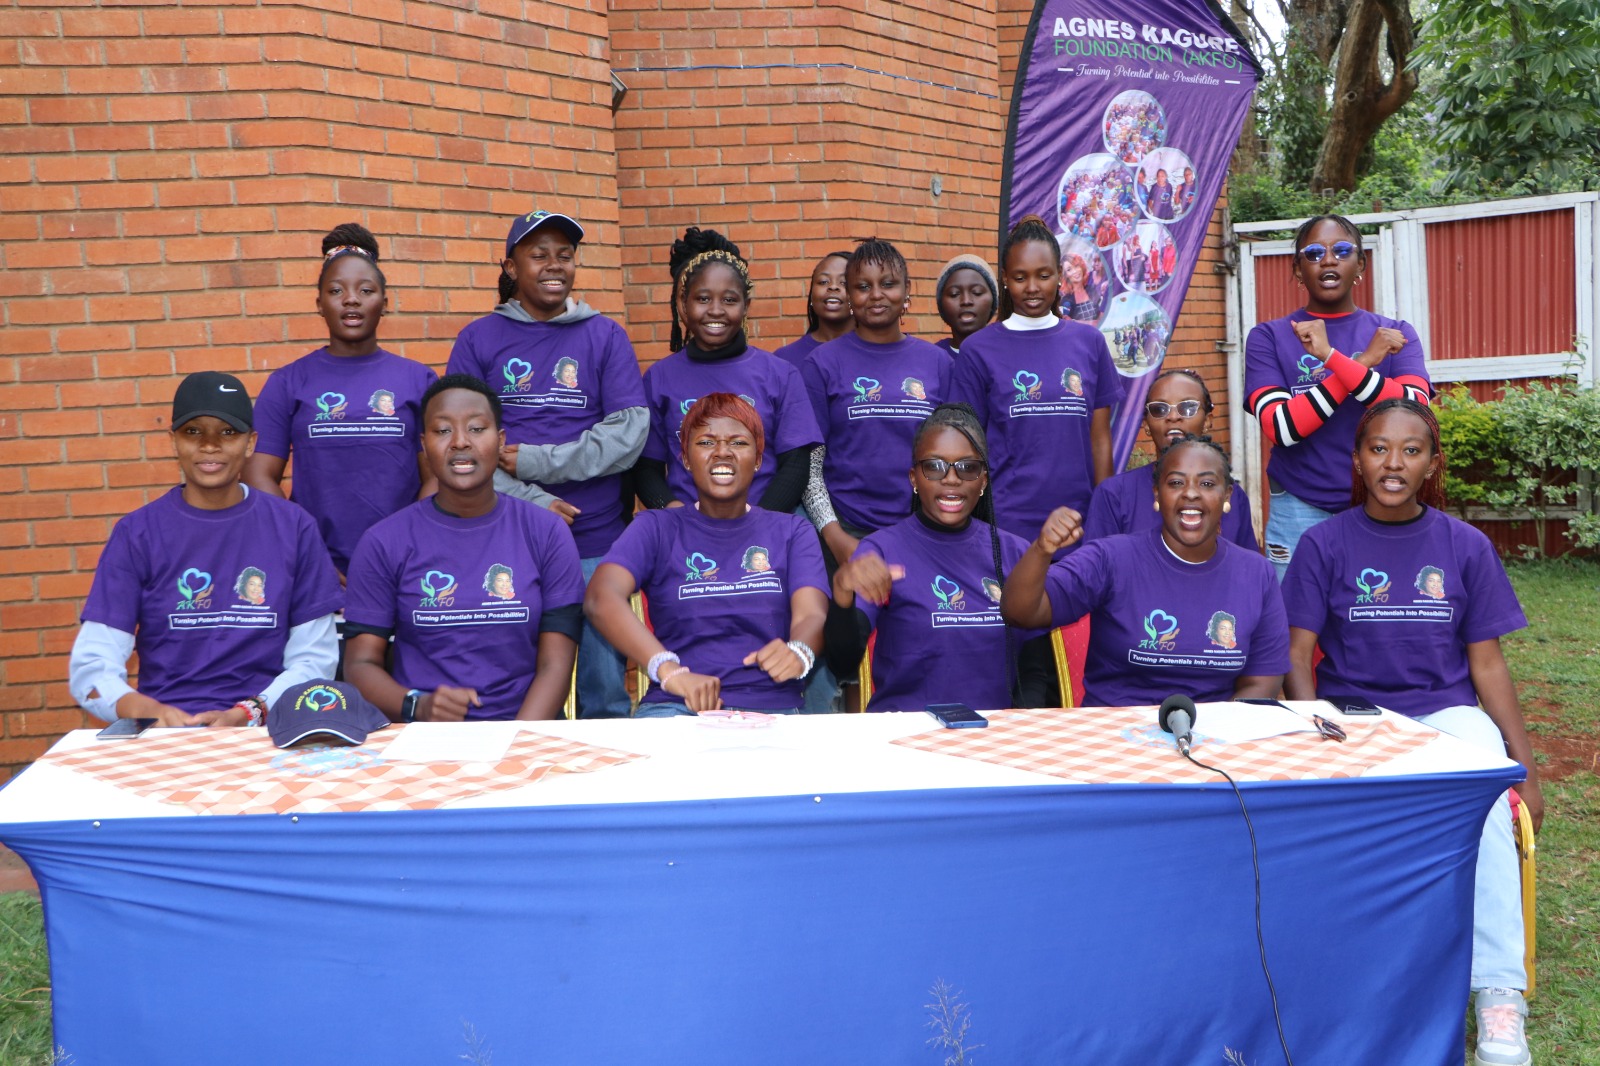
[{"x": 1123, "y": 120}]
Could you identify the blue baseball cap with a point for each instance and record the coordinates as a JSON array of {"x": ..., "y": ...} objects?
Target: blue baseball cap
[
  {"x": 333, "y": 708},
  {"x": 523, "y": 225}
]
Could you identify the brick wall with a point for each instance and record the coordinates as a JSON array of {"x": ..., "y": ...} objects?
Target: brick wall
[
  {"x": 169, "y": 172},
  {"x": 844, "y": 114},
  {"x": 167, "y": 178}
]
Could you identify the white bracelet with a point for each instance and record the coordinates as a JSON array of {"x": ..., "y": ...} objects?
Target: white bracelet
[
  {"x": 808, "y": 658},
  {"x": 653, "y": 669}
]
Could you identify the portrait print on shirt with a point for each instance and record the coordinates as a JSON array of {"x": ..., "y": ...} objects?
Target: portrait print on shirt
[
  {"x": 1378, "y": 600},
  {"x": 381, "y": 403},
  {"x": 500, "y": 583}
]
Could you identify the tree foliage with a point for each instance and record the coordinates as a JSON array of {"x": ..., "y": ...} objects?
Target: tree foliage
[{"x": 1517, "y": 100}]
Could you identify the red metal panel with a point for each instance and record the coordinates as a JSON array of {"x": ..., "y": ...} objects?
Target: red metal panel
[
  {"x": 1504, "y": 285},
  {"x": 1277, "y": 292}
]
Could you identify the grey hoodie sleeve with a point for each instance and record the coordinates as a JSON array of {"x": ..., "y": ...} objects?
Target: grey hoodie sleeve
[
  {"x": 609, "y": 447},
  {"x": 522, "y": 490},
  {"x": 818, "y": 504}
]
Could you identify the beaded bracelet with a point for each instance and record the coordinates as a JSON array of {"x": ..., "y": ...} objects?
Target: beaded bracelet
[
  {"x": 808, "y": 658},
  {"x": 255, "y": 707},
  {"x": 653, "y": 669}
]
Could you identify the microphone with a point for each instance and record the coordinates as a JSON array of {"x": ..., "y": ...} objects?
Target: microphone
[{"x": 1177, "y": 717}]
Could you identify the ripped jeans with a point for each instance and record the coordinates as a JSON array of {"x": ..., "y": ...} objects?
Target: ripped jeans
[{"x": 1288, "y": 517}]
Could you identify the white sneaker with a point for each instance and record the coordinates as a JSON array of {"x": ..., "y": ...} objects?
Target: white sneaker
[{"x": 1501, "y": 1039}]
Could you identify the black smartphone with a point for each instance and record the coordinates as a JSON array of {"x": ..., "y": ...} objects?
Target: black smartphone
[
  {"x": 1351, "y": 705},
  {"x": 957, "y": 716},
  {"x": 125, "y": 727},
  {"x": 1260, "y": 701}
]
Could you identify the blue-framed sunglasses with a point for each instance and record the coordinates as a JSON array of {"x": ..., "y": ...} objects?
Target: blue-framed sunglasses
[{"x": 1313, "y": 253}]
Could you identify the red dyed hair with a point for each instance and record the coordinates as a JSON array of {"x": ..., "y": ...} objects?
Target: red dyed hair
[
  {"x": 1432, "y": 491},
  {"x": 722, "y": 405}
]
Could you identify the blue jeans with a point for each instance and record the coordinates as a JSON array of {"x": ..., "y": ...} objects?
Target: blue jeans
[
  {"x": 1497, "y": 893},
  {"x": 602, "y": 691},
  {"x": 1288, "y": 518},
  {"x": 669, "y": 709}
]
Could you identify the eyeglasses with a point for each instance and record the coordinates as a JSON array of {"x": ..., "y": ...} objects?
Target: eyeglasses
[
  {"x": 966, "y": 469},
  {"x": 1313, "y": 253},
  {"x": 1185, "y": 408}
]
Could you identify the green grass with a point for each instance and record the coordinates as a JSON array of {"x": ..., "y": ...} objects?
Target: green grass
[
  {"x": 24, "y": 982},
  {"x": 1556, "y": 662}
]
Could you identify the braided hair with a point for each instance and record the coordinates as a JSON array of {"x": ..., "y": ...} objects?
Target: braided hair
[
  {"x": 350, "y": 238},
  {"x": 693, "y": 252},
  {"x": 1192, "y": 375},
  {"x": 813, "y": 323},
  {"x": 1431, "y": 493},
  {"x": 964, "y": 420},
  {"x": 1201, "y": 440},
  {"x": 1030, "y": 228},
  {"x": 880, "y": 254}
]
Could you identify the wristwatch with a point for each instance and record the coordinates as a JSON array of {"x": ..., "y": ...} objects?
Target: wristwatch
[{"x": 408, "y": 706}]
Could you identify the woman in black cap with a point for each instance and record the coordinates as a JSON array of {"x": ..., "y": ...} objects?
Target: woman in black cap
[{"x": 227, "y": 595}]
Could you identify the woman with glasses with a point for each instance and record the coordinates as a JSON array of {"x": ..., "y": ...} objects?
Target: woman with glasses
[
  {"x": 930, "y": 584},
  {"x": 1310, "y": 376},
  {"x": 1174, "y": 609},
  {"x": 1178, "y": 405}
]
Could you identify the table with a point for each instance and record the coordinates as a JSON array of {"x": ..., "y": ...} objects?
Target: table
[{"x": 785, "y": 895}]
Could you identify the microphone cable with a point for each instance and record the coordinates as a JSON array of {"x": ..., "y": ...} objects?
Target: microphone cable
[{"x": 1255, "y": 861}]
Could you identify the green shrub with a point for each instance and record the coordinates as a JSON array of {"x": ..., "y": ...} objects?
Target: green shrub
[{"x": 1524, "y": 451}]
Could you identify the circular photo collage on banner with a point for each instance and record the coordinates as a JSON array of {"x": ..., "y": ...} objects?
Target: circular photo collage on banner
[
  {"x": 1166, "y": 185},
  {"x": 1136, "y": 330},
  {"x": 1085, "y": 279},
  {"x": 1134, "y": 126},
  {"x": 1096, "y": 199},
  {"x": 1147, "y": 258}
]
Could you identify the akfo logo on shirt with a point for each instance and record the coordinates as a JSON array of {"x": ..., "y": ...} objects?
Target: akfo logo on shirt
[
  {"x": 330, "y": 407},
  {"x": 1027, "y": 385},
  {"x": 1160, "y": 630},
  {"x": 700, "y": 568},
  {"x": 438, "y": 589},
  {"x": 1374, "y": 586},
  {"x": 1311, "y": 367},
  {"x": 194, "y": 586},
  {"x": 518, "y": 374},
  {"x": 868, "y": 390},
  {"x": 950, "y": 595},
  {"x": 683, "y": 406}
]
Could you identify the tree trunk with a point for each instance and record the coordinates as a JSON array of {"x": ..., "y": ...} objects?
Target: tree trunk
[{"x": 1362, "y": 99}]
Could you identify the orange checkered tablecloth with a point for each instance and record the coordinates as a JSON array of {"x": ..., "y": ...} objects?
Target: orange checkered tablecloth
[
  {"x": 239, "y": 771},
  {"x": 1121, "y": 745}
]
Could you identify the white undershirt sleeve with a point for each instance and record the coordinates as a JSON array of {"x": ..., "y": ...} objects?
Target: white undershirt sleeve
[
  {"x": 311, "y": 654},
  {"x": 97, "y": 672}
]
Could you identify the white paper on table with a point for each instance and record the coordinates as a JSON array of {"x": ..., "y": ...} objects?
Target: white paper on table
[
  {"x": 452, "y": 742},
  {"x": 1235, "y": 723}
]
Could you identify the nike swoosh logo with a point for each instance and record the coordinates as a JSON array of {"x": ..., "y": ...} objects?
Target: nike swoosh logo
[{"x": 224, "y": 388}]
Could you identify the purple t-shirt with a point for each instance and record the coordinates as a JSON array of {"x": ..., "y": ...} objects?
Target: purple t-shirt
[
  {"x": 940, "y": 636},
  {"x": 1125, "y": 503},
  {"x": 797, "y": 352},
  {"x": 556, "y": 382},
  {"x": 718, "y": 590},
  {"x": 210, "y": 596},
  {"x": 1036, "y": 392},
  {"x": 1317, "y": 470},
  {"x": 352, "y": 422},
  {"x": 1395, "y": 606},
  {"x": 1160, "y": 625},
  {"x": 947, "y": 345},
  {"x": 869, "y": 399},
  {"x": 772, "y": 386},
  {"x": 463, "y": 596}
]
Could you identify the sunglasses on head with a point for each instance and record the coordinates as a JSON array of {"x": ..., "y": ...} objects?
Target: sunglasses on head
[
  {"x": 1185, "y": 408},
  {"x": 966, "y": 469},
  {"x": 1313, "y": 253}
]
